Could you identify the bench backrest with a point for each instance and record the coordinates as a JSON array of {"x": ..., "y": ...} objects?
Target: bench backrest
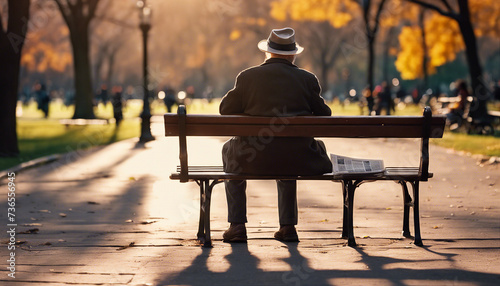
[{"x": 425, "y": 127}]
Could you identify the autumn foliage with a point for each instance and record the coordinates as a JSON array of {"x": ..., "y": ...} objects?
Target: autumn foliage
[
  {"x": 443, "y": 38},
  {"x": 443, "y": 41}
]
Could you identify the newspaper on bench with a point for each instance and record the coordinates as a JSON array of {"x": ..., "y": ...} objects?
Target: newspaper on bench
[{"x": 342, "y": 164}]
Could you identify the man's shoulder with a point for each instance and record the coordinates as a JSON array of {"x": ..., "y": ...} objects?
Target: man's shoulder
[
  {"x": 267, "y": 67},
  {"x": 249, "y": 71},
  {"x": 306, "y": 72}
]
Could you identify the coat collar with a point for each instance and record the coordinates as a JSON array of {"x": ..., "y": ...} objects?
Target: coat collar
[{"x": 278, "y": 61}]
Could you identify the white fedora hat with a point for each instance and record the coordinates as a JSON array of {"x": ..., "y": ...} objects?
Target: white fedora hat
[{"x": 281, "y": 42}]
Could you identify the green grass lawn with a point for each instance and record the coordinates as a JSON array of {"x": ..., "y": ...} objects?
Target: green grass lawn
[
  {"x": 474, "y": 144},
  {"x": 39, "y": 137}
]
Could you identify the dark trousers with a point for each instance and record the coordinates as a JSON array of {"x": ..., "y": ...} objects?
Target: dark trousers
[{"x": 237, "y": 201}]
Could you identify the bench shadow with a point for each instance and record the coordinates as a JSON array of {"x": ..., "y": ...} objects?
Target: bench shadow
[
  {"x": 242, "y": 264},
  {"x": 244, "y": 270}
]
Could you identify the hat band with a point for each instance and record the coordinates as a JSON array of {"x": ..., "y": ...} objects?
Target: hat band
[{"x": 281, "y": 47}]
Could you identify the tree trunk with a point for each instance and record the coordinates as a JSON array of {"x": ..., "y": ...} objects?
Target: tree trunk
[
  {"x": 424, "y": 48},
  {"x": 84, "y": 96},
  {"x": 387, "y": 47},
  {"x": 11, "y": 44},
  {"x": 324, "y": 78},
  {"x": 371, "y": 33},
  {"x": 479, "y": 90},
  {"x": 371, "y": 62},
  {"x": 111, "y": 64}
]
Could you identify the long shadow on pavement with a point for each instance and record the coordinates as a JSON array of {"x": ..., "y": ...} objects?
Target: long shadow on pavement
[{"x": 244, "y": 270}]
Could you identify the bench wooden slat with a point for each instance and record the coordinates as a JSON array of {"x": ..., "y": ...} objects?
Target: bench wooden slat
[
  {"x": 171, "y": 118},
  {"x": 303, "y": 126},
  {"x": 212, "y": 172}
]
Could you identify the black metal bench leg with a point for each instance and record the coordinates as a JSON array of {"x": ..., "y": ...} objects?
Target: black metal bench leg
[
  {"x": 201, "y": 225},
  {"x": 406, "y": 209},
  {"x": 208, "y": 199},
  {"x": 349, "y": 187},
  {"x": 416, "y": 213},
  {"x": 345, "y": 218}
]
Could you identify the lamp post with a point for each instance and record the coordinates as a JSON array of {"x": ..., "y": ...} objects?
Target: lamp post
[{"x": 145, "y": 26}]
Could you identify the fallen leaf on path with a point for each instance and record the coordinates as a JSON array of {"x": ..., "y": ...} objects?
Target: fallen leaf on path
[
  {"x": 32, "y": 224},
  {"x": 30, "y": 231},
  {"x": 148, "y": 221},
  {"x": 127, "y": 246}
]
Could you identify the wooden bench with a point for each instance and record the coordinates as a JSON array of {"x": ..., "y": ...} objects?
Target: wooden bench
[
  {"x": 424, "y": 127},
  {"x": 83, "y": 122},
  {"x": 495, "y": 115}
]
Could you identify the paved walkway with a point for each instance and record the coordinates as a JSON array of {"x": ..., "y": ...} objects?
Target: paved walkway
[{"x": 111, "y": 216}]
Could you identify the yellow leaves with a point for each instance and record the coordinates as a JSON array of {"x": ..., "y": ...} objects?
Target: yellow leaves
[
  {"x": 409, "y": 61},
  {"x": 42, "y": 56},
  {"x": 278, "y": 10},
  {"x": 251, "y": 21},
  {"x": 337, "y": 12},
  {"x": 395, "y": 11},
  {"x": 47, "y": 49},
  {"x": 485, "y": 15},
  {"x": 235, "y": 35},
  {"x": 339, "y": 20},
  {"x": 443, "y": 41}
]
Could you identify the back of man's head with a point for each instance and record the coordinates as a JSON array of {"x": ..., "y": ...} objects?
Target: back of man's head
[{"x": 290, "y": 58}]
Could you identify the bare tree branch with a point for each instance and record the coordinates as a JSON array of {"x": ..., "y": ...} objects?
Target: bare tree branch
[
  {"x": 64, "y": 12},
  {"x": 92, "y": 8},
  {"x": 450, "y": 14},
  {"x": 445, "y": 2},
  {"x": 377, "y": 17},
  {"x": 117, "y": 22}
]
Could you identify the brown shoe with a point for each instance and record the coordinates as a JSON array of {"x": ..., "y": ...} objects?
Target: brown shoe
[
  {"x": 287, "y": 233},
  {"x": 235, "y": 233}
]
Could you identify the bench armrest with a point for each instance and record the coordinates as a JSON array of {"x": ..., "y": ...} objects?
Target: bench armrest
[
  {"x": 424, "y": 149},
  {"x": 183, "y": 157}
]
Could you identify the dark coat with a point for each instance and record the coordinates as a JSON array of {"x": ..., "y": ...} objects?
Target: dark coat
[{"x": 275, "y": 88}]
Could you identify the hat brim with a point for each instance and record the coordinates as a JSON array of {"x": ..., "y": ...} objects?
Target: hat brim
[{"x": 263, "y": 46}]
